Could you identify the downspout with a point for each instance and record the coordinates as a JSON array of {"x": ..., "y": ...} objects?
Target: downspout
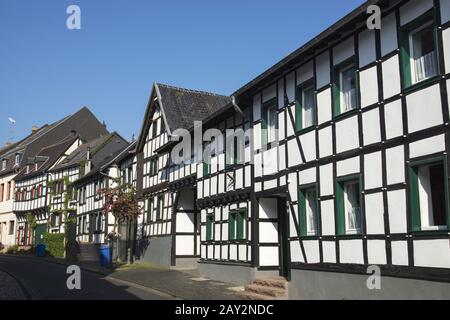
[{"x": 236, "y": 107}]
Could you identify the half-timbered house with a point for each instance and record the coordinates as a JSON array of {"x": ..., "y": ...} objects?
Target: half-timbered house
[
  {"x": 95, "y": 175},
  {"x": 346, "y": 165},
  {"x": 170, "y": 226},
  {"x": 31, "y": 197}
]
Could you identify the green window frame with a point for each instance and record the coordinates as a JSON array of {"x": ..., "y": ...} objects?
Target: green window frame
[
  {"x": 341, "y": 220},
  {"x": 265, "y": 119},
  {"x": 337, "y": 90},
  {"x": 209, "y": 227},
  {"x": 414, "y": 193},
  {"x": 299, "y": 108},
  {"x": 149, "y": 209},
  {"x": 232, "y": 159},
  {"x": 237, "y": 222},
  {"x": 405, "y": 47},
  {"x": 302, "y": 209},
  {"x": 159, "y": 207},
  {"x": 205, "y": 169}
]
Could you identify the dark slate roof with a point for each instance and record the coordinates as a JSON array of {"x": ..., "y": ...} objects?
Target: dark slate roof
[
  {"x": 124, "y": 154},
  {"x": 82, "y": 124},
  {"x": 183, "y": 106},
  {"x": 9, "y": 153},
  {"x": 103, "y": 153},
  {"x": 80, "y": 154},
  {"x": 45, "y": 159}
]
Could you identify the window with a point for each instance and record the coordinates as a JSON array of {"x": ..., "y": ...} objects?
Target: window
[
  {"x": 163, "y": 126},
  {"x": 159, "y": 207},
  {"x": 130, "y": 175},
  {"x": 308, "y": 211},
  {"x": 305, "y": 111},
  {"x": 269, "y": 122},
  {"x": 349, "y": 207},
  {"x": 345, "y": 88},
  {"x": 9, "y": 190},
  {"x": 428, "y": 196},
  {"x": 153, "y": 166},
  {"x": 419, "y": 54},
  {"x": 2, "y": 190},
  {"x": 209, "y": 227},
  {"x": 4, "y": 162},
  {"x": 82, "y": 195},
  {"x": 17, "y": 159},
  {"x": 237, "y": 224},
  {"x": 11, "y": 227},
  {"x": 348, "y": 88},
  {"x": 55, "y": 220},
  {"x": 231, "y": 153},
  {"x": 205, "y": 169},
  {"x": 98, "y": 186},
  {"x": 423, "y": 61},
  {"x": 154, "y": 128},
  {"x": 149, "y": 210}
]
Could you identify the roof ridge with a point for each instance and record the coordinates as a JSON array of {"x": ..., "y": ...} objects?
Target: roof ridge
[{"x": 192, "y": 90}]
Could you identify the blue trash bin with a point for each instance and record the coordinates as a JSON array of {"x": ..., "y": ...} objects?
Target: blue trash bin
[
  {"x": 105, "y": 255},
  {"x": 40, "y": 250}
]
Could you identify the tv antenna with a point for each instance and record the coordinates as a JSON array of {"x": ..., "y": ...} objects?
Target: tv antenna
[{"x": 13, "y": 128}]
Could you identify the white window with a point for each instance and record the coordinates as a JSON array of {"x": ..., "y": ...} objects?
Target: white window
[
  {"x": 347, "y": 79},
  {"x": 432, "y": 197},
  {"x": 272, "y": 123},
  {"x": 311, "y": 212},
  {"x": 423, "y": 53},
  {"x": 309, "y": 108},
  {"x": 352, "y": 208},
  {"x": 4, "y": 162},
  {"x": 17, "y": 159}
]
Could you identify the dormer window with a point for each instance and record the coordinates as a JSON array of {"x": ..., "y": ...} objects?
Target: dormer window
[
  {"x": 4, "y": 162},
  {"x": 17, "y": 159}
]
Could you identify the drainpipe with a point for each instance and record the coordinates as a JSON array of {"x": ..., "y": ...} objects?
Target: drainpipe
[{"x": 236, "y": 107}]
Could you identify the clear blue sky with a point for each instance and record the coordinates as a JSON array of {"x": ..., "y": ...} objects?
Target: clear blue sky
[{"x": 48, "y": 72}]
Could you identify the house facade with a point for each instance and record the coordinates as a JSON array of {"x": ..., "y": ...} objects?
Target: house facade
[
  {"x": 170, "y": 226},
  {"x": 97, "y": 174},
  {"x": 32, "y": 194},
  {"x": 345, "y": 166}
]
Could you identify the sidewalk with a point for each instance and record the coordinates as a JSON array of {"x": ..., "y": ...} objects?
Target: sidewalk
[
  {"x": 186, "y": 285},
  {"x": 182, "y": 284}
]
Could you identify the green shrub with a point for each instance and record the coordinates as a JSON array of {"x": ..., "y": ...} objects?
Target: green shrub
[
  {"x": 12, "y": 249},
  {"x": 54, "y": 243}
]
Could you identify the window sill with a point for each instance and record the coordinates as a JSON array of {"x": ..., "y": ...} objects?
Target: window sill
[
  {"x": 421, "y": 85},
  {"x": 435, "y": 232},
  {"x": 305, "y": 130},
  {"x": 238, "y": 241},
  {"x": 346, "y": 114}
]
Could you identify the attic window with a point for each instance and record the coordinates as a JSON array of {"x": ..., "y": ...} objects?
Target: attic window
[
  {"x": 4, "y": 162},
  {"x": 17, "y": 159}
]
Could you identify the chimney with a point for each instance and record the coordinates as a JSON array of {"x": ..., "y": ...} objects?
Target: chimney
[
  {"x": 34, "y": 129},
  {"x": 8, "y": 144},
  {"x": 88, "y": 164}
]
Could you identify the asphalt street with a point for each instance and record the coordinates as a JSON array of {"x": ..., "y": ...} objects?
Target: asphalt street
[{"x": 38, "y": 279}]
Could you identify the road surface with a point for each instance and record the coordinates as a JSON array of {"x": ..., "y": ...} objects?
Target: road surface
[{"x": 32, "y": 278}]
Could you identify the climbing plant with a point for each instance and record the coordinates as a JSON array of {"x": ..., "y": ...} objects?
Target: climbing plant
[
  {"x": 122, "y": 202},
  {"x": 31, "y": 220}
]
